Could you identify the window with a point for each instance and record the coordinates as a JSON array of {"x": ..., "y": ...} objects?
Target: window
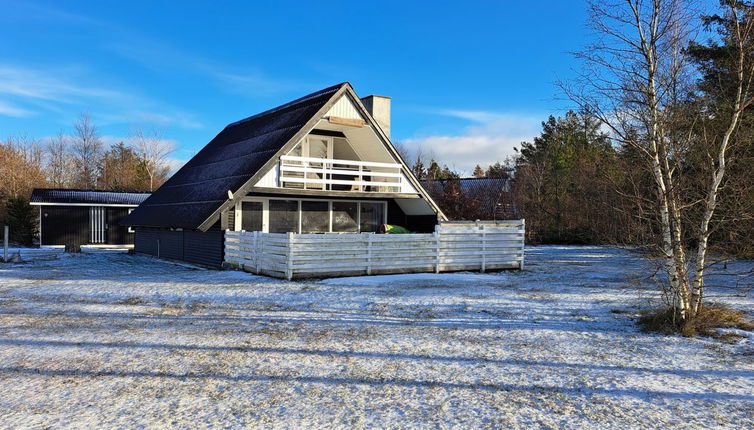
[
  {"x": 315, "y": 217},
  {"x": 251, "y": 216},
  {"x": 372, "y": 215},
  {"x": 284, "y": 216},
  {"x": 130, "y": 229},
  {"x": 345, "y": 217},
  {"x": 309, "y": 216}
]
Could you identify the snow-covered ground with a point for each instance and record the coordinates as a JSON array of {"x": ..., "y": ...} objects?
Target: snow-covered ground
[{"x": 109, "y": 339}]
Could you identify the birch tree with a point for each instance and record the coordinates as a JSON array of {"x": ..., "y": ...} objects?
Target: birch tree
[
  {"x": 59, "y": 163},
  {"x": 153, "y": 152},
  {"x": 87, "y": 149},
  {"x": 636, "y": 79}
]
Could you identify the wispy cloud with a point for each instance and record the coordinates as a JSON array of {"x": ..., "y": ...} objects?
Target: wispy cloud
[
  {"x": 491, "y": 139},
  {"x": 237, "y": 79},
  {"x": 58, "y": 90},
  {"x": 7, "y": 109},
  {"x": 29, "y": 83}
]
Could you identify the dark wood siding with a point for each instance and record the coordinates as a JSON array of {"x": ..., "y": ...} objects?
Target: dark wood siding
[
  {"x": 63, "y": 225},
  {"x": 191, "y": 246},
  {"x": 116, "y": 234}
]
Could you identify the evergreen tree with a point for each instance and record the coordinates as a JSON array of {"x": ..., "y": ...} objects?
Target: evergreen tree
[{"x": 478, "y": 172}]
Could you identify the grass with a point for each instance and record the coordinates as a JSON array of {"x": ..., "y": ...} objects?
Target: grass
[{"x": 705, "y": 323}]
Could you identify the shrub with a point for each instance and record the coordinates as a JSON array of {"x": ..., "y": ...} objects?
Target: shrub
[{"x": 707, "y": 320}]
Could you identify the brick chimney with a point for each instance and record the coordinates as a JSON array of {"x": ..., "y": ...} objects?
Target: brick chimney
[{"x": 379, "y": 108}]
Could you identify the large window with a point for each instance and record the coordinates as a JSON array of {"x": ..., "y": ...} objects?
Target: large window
[
  {"x": 371, "y": 216},
  {"x": 315, "y": 217},
  {"x": 284, "y": 216},
  {"x": 345, "y": 217},
  {"x": 310, "y": 216},
  {"x": 251, "y": 216}
]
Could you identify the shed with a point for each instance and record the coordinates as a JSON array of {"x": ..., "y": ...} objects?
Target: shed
[{"x": 84, "y": 217}]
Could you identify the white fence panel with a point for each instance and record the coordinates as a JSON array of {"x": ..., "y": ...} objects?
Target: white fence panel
[{"x": 453, "y": 246}]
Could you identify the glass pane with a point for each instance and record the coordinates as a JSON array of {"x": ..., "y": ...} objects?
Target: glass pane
[
  {"x": 317, "y": 147},
  {"x": 283, "y": 216},
  {"x": 251, "y": 216},
  {"x": 344, "y": 216},
  {"x": 315, "y": 217},
  {"x": 372, "y": 215}
]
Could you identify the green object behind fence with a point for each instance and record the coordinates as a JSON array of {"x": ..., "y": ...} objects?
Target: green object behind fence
[{"x": 395, "y": 229}]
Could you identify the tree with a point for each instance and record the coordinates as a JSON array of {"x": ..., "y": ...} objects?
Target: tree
[
  {"x": 86, "y": 149},
  {"x": 418, "y": 169},
  {"x": 497, "y": 170},
  {"x": 559, "y": 180},
  {"x": 478, "y": 172},
  {"x": 22, "y": 220},
  {"x": 122, "y": 169},
  {"x": 59, "y": 165},
  {"x": 20, "y": 167},
  {"x": 437, "y": 173},
  {"x": 636, "y": 81},
  {"x": 153, "y": 152}
]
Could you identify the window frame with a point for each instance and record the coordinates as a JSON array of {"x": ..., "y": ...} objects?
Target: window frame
[{"x": 266, "y": 211}]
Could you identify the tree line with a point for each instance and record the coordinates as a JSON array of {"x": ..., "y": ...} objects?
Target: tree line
[{"x": 78, "y": 159}]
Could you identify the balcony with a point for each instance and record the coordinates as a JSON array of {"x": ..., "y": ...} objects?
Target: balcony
[{"x": 326, "y": 174}]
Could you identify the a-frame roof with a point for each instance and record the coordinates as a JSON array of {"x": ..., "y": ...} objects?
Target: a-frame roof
[{"x": 193, "y": 197}]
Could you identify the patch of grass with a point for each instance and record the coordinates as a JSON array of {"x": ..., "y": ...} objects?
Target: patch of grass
[
  {"x": 708, "y": 319},
  {"x": 132, "y": 301}
]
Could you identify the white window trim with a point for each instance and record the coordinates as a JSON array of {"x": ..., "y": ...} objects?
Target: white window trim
[
  {"x": 130, "y": 228},
  {"x": 266, "y": 211}
]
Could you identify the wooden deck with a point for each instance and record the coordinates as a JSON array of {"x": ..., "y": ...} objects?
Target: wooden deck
[{"x": 478, "y": 246}]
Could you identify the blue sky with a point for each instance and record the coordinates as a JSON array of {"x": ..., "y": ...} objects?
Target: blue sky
[{"x": 468, "y": 80}]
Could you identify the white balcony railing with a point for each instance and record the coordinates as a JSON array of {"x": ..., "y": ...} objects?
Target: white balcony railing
[{"x": 328, "y": 174}]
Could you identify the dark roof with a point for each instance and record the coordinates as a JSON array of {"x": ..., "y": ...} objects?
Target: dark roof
[
  {"x": 94, "y": 197},
  {"x": 471, "y": 185},
  {"x": 201, "y": 186}
]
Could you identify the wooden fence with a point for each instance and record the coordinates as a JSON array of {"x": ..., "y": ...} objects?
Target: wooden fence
[{"x": 453, "y": 246}]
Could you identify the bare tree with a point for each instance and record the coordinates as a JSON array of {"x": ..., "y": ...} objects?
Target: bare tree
[
  {"x": 87, "y": 150},
  {"x": 59, "y": 164},
  {"x": 635, "y": 77},
  {"x": 153, "y": 152}
]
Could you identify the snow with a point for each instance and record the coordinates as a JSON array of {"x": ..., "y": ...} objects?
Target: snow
[{"x": 109, "y": 339}]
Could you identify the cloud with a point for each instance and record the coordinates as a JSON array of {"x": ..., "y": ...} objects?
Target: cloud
[
  {"x": 491, "y": 139},
  {"x": 56, "y": 90},
  {"x": 8, "y": 109},
  {"x": 28, "y": 83}
]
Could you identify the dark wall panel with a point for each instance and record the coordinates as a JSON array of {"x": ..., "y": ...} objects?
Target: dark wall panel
[
  {"x": 116, "y": 234},
  {"x": 192, "y": 246},
  {"x": 63, "y": 225}
]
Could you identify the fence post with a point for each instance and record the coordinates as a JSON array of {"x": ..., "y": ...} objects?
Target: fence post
[
  {"x": 484, "y": 248},
  {"x": 5, "y": 243},
  {"x": 437, "y": 248},
  {"x": 256, "y": 252},
  {"x": 289, "y": 262},
  {"x": 523, "y": 244},
  {"x": 369, "y": 253}
]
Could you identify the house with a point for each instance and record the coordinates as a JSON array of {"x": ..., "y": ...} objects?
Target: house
[
  {"x": 84, "y": 217},
  {"x": 473, "y": 198},
  {"x": 320, "y": 164}
]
